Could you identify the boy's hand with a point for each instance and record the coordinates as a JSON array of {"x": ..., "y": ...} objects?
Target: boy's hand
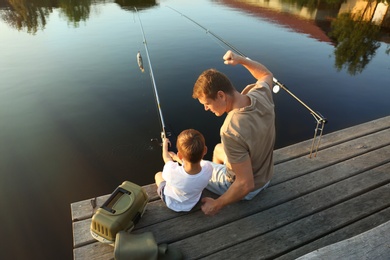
[
  {"x": 166, "y": 143},
  {"x": 165, "y": 153},
  {"x": 175, "y": 157}
]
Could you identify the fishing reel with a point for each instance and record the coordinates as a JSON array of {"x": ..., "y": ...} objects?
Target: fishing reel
[
  {"x": 163, "y": 135},
  {"x": 276, "y": 89}
]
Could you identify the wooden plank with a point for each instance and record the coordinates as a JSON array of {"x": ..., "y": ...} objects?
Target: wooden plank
[
  {"x": 303, "y": 165},
  {"x": 373, "y": 244},
  {"x": 274, "y": 243},
  {"x": 95, "y": 251},
  {"x": 331, "y": 139},
  {"x": 346, "y": 232}
]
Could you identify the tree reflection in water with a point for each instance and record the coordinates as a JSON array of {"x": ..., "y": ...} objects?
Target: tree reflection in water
[
  {"x": 31, "y": 15},
  {"x": 27, "y": 15},
  {"x": 356, "y": 42},
  {"x": 75, "y": 10}
]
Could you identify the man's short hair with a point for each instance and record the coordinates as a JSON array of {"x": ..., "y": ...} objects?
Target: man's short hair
[{"x": 210, "y": 82}]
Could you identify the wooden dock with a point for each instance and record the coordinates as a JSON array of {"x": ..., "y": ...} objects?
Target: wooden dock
[{"x": 336, "y": 204}]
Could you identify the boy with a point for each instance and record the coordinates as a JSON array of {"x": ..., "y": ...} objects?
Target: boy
[{"x": 181, "y": 183}]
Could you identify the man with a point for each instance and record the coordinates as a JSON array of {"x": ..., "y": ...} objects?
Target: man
[{"x": 244, "y": 159}]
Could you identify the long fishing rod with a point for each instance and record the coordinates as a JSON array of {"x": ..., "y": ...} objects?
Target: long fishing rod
[
  {"x": 320, "y": 120},
  {"x": 163, "y": 128}
]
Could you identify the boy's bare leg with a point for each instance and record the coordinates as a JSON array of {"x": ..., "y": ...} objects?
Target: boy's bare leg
[
  {"x": 158, "y": 178},
  {"x": 219, "y": 154}
]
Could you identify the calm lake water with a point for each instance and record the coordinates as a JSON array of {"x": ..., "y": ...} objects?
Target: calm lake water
[{"x": 77, "y": 115}]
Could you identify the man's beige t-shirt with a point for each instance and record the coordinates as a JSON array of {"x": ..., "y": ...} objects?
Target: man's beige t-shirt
[{"x": 250, "y": 132}]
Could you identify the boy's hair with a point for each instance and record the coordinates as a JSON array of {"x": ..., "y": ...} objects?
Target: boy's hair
[
  {"x": 210, "y": 82},
  {"x": 190, "y": 143}
]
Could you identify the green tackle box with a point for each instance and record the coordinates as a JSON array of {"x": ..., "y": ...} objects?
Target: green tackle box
[{"x": 121, "y": 211}]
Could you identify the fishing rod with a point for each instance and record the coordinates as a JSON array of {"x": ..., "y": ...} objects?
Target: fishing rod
[
  {"x": 139, "y": 58},
  {"x": 320, "y": 120}
]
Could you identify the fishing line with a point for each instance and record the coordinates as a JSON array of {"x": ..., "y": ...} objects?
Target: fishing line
[
  {"x": 218, "y": 42},
  {"x": 320, "y": 120},
  {"x": 163, "y": 128}
]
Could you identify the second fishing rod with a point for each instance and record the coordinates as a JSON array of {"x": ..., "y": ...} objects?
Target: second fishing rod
[{"x": 163, "y": 128}]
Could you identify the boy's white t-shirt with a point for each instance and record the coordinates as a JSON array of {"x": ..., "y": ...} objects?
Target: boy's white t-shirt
[{"x": 182, "y": 190}]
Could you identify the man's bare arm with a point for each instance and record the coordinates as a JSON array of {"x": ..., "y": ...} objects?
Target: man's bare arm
[
  {"x": 258, "y": 70},
  {"x": 242, "y": 185}
]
